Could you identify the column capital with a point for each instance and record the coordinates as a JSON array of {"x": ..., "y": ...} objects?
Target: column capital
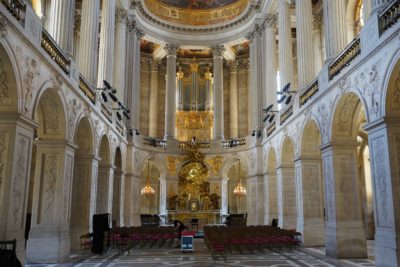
[
  {"x": 154, "y": 65},
  {"x": 170, "y": 49},
  {"x": 270, "y": 21},
  {"x": 133, "y": 28},
  {"x": 245, "y": 62},
  {"x": 77, "y": 20},
  {"x": 218, "y": 50},
  {"x": 232, "y": 65},
  {"x": 121, "y": 16},
  {"x": 317, "y": 22}
]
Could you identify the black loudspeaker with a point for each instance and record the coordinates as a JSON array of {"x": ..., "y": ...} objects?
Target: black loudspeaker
[
  {"x": 101, "y": 224},
  {"x": 274, "y": 223}
]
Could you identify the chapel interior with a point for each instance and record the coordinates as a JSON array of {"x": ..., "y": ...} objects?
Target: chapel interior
[{"x": 216, "y": 113}]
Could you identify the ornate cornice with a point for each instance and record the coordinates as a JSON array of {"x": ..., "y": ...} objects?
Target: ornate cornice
[{"x": 149, "y": 17}]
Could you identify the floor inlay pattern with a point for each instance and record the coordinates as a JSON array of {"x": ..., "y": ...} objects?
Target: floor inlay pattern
[{"x": 201, "y": 257}]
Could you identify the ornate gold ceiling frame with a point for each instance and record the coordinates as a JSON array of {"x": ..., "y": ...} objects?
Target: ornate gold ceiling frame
[{"x": 196, "y": 17}]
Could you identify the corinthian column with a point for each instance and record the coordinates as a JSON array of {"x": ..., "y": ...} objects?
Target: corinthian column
[
  {"x": 285, "y": 43},
  {"x": 87, "y": 60},
  {"x": 132, "y": 93},
  {"x": 305, "y": 49},
  {"x": 218, "y": 92},
  {"x": 270, "y": 56},
  {"x": 61, "y": 23},
  {"x": 153, "y": 98},
  {"x": 233, "y": 100},
  {"x": 335, "y": 27},
  {"x": 318, "y": 56},
  {"x": 120, "y": 52},
  {"x": 170, "y": 94},
  {"x": 106, "y": 50}
]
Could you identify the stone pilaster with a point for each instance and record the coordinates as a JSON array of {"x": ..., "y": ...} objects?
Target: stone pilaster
[
  {"x": 87, "y": 60},
  {"x": 170, "y": 95},
  {"x": 218, "y": 93},
  {"x": 120, "y": 53},
  {"x": 61, "y": 23},
  {"x": 335, "y": 28},
  {"x": 132, "y": 82},
  {"x": 286, "y": 197},
  {"x": 305, "y": 47},
  {"x": 270, "y": 57},
  {"x": 233, "y": 100},
  {"x": 285, "y": 44},
  {"x": 153, "y": 110},
  {"x": 106, "y": 49}
]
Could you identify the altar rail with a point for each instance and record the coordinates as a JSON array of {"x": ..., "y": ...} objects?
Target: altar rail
[
  {"x": 309, "y": 91},
  {"x": 154, "y": 142},
  {"x": 230, "y": 143},
  {"x": 389, "y": 16},
  {"x": 17, "y": 9},
  {"x": 344, "y": 58},
  {"x": 55, "y": 52}
]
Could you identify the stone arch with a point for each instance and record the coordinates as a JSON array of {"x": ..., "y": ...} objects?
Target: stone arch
[
  {"x": 150, "y": 204},
  {"x": 236, "y": 205},
  {"x": 286, "y": 185},
  {"x": 310, "y": 184},
  {"x": 391, "y": 95},
  {"x": 105, "y": 173},
  {"x": 85, "y": 172}
]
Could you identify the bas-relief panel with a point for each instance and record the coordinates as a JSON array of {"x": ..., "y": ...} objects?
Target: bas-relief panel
[
  {"x": 67, "y": 186},
  {"x": 48, "y": 187},
  {"x": 346, "y": 197},
  {"x": 5, "y": 94},
  {"x": 312, "y": 191},
  {"x": 3, "y": 162},
  {"x": 329, "y": 188},
  {"x": 18, "y": 188}
]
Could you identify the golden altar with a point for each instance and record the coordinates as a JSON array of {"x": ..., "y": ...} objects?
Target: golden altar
[{"x": 204, "y": 217}]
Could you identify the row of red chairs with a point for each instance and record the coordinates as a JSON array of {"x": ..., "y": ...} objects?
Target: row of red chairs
[
  {"x": 127, "y": 238},
  {"x": 223, "y": 240}
]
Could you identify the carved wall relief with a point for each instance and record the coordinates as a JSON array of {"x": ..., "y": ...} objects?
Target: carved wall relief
[
  {"x": 67, "y": 186},
  {"x": 49, "y": 182},
  {"x": 346, "y": 186},
  {"x": 74, "y": 108},
  {"x": 31, "y": 72},
  {"x": 381, "y": 177},
  {"x": 5, "y": 97},
  {"x": 330, "y": 189},
  {"x": 3, "y": 158},
  {"x": 323, "y": 111},
  {"x": 3, "y": 27},
  {"x": 51, "y": 112},
  {"x": 19, "y": 179}
]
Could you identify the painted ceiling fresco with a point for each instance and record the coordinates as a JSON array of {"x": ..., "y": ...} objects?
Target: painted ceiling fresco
[{"x": 198, "y": 4}]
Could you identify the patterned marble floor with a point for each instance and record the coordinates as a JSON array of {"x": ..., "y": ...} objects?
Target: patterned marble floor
[{"x": 201, "y": 257}]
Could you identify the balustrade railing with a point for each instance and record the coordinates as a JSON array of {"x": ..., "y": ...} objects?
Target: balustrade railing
[
  {"x": 308, "y": 92},
  {"x": 285, "y": 114},
  {"x": 55, "y": 52},
  {"x": 271, "y": 128},
  {"x": 230, "y": 143},
  {"x": 17, "y": 8},
  {"x": 154, "y": 142},
  {"x": 344, "y": 58},
  {"x": 188, "y": 145},
  {"x": 389, "y": 16},
  {"x": 87, "y": 90},
  {"x": 106, "y": 112}
]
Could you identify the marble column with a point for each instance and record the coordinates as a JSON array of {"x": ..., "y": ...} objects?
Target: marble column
[
  {"x": 153, "y": 109},
  {"x": 121, "y": 19},
  {"x": 344, "y": 232},
  {"x": 88, "y": 48},
  {"x": 378, "y": 5},
  {"x": 285, "y": 43},
  {"x": 62, "y": 22},
  {"x": 305, "y": 47},
  {"x": 317, "y": 40},
  {"x": 309, "y": 200},
  {"x": 233, "y": 100},
  {"x": 132, "y": 73},
  {"x": 335, "y": 28},
  {"x": 218, "y": 93},
  {"x": 270, "y": 57},
  {"x": 286, "y": 197},
  {"x": 106, "y": 49},
  {"x": 50, "y": 224},
  {"x": 170, "y": 94}
]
